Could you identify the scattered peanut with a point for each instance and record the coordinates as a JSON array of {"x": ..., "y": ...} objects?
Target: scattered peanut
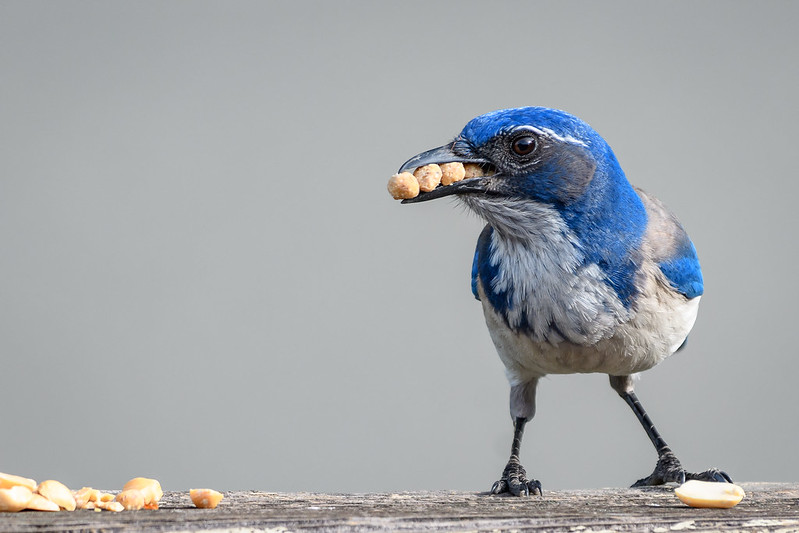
[
  {"x": 15, "y": 498},
  {"x": 10, "y": 480},
  {"x": 40, "y": 503},
  {"x": 709, "y": 494},
  {"x": 84, "y": 496},
  {"x": 150, "y": 488},
  {"x": 89, "y": 498},
  {"x": 452, "y": 172},
  {"x": 205, "y": 498},
  {"x": 109, "y": 506},
  {"x": 403, "y": 185},
  {"x": 19, "y": 493},
  {"x": 428, "y": 176},
  {"x": 58, "y": 493},
  {"x": 131, "y": 499},
  {"x": 473, "y": 170}
]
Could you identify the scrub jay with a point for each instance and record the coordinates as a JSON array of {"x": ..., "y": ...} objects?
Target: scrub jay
[{"x": 576, "y": 269}]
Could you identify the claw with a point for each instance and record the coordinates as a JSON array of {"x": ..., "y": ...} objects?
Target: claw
[
  {"x": 518, "y": 484},
  {"x": 499, "y": 487},
  {"x": 669, "y": 470},
  {"x": 713, "y": 474},
  {"x": 514, "y": 480}
]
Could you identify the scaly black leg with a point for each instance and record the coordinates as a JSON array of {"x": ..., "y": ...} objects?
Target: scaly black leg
[
  {"x": 668, "y": 468},
  {"x": 514, "y": 478}
]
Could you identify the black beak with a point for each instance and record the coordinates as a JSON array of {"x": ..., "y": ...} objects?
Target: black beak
[
  {"x": 445, "y": 154},
  {"x": 442, "y": 154}
]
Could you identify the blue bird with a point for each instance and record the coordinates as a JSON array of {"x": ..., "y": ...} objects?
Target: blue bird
[{"x": 577, "y": 270}]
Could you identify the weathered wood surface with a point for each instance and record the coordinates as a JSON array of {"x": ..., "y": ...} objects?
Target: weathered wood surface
[{"x": 767, "y": 507}]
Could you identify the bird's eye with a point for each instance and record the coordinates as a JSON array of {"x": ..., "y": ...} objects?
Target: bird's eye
[{"x": 523, "y": 145}]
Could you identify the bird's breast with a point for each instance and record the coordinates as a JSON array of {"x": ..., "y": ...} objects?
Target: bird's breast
[
  {"x": 539, "y": 283},
  {"x": 658, "y": 326}
]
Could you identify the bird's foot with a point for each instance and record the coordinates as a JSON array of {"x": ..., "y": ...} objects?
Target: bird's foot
[
  {"x": 669, "y": 470},
  {"x": 712, "y": 474},
  {"x": 514, "y": 480}
]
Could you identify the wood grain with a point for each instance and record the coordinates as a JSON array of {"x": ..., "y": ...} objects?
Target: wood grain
[{"x": 767, "y": 507}]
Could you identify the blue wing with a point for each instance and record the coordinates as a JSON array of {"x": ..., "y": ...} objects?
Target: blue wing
[
  {"x": 671, "y": 248},
  {"x": 481, "y": 253},
  {"x": 474, "y": 273},
  {"x": 683, "y": 270}
]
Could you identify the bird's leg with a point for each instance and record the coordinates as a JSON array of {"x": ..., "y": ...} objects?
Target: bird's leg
[
  {"x": 514, "y": 478},
  {"x": 668, "y": 468}
]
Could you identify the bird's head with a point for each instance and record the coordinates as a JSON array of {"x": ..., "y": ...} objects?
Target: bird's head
[
  {"x": 531, "y": 153},
  {"x": 549, "y": 177}
]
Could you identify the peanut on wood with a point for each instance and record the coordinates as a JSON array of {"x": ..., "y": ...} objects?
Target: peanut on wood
[
  {"x": 709, "y": 494},
  {"x": 58, "y": 493},
  {"x": 15, "y": 498},
  {"x": 205, "y": 498}
]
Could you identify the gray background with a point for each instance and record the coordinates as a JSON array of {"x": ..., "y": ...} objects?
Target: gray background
[{"x": 203, "y": 279}]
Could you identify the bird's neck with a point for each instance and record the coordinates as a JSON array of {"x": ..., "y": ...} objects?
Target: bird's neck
[{"x": 522, "y": 221}]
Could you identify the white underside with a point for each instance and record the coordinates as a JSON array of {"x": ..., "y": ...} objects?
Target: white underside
[{"x": 657, "y": 327}]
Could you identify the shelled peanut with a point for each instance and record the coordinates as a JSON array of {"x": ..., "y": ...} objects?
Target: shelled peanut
[
  {"x": 709, "y": 494},
  {"x": 149, "y": 488},
  {"x": 403, "y": 186},
  {"x": 131, "y": 499},
  {"x": 10, "y": 480},
  {"x": 205, "y": 498},
  {"x": 428, "y": 176},
  {"x": 452, "y": 172},
  {"x": 58, "y": 493},
  {"x": 40, "y": 503},
  {"x": 19, "y": 493},
  {"x": 406, "y": 185},
  {"x": 15, "y": 498},
  {"x": 89, "y": 498}
]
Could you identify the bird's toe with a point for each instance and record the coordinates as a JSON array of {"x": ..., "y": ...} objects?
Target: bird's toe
[
  {"x": 712, "y": 474},
  {"x": 667, "y": 470},
  {"x": 514, "y": 481},
  {"x": 519, "y": 489},
  {"x": 499, "y": 487},
  {"x": 534, "y": 488}
]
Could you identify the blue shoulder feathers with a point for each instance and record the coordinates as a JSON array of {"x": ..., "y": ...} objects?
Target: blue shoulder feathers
[
  {"x": 671, "y": 248},
  {"x": 481, "y": 258},
  {"x": 683, "y": 271}
]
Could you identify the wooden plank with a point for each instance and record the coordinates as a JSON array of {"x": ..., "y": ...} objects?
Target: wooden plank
[{"x": 767, "y": 507}]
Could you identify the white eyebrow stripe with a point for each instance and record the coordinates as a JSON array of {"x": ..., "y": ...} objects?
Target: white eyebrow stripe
[{"x": 546, "y": 132}]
